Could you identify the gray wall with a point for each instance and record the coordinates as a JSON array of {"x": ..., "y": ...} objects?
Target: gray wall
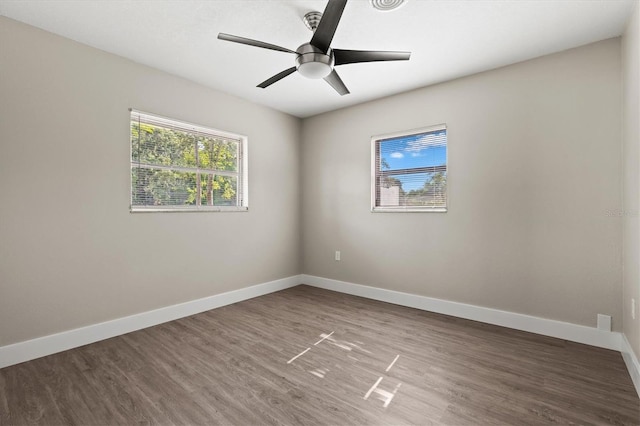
[
  {"x": 631, "y": 182},
  {"x": 71, "y": 254},
  {"x": 535, "y": 173},
  {"x": 534, "y": 170}
]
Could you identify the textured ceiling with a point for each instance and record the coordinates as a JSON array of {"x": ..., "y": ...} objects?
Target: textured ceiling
[{"x": 447, "y": 38}]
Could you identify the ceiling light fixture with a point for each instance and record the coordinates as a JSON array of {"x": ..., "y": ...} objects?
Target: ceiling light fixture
[
  {"x": 387, "y": 5},
  {"x": 313, "y": 62}
]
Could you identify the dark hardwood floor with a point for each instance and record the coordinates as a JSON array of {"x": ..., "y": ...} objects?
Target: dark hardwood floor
[{"x": 311, "y": 356}]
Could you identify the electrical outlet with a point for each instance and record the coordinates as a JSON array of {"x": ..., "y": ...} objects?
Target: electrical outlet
[
  {"x": 633, "y": 308},
  {"x": 337, "y": 255},
  {"x": 604, "y": 322}
]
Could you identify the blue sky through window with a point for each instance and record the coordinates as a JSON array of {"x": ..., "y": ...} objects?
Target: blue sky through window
[{"x": 421, "y": 150}]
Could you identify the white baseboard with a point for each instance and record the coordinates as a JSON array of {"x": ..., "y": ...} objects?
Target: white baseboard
[
  {"x": 562, "y": 330},
  {"x": 632, "y": 363},
  {"x": 47, "y": 345}
]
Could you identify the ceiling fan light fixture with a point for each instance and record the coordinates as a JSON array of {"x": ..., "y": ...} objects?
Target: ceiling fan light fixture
[
  {"x": 314, "y": 70},
  {"x": 313, "y": 63},
  {"x": 387, "y": 5}
]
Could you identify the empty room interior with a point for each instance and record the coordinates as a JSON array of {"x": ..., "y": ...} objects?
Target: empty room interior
[{"x": 321, "y": 212}]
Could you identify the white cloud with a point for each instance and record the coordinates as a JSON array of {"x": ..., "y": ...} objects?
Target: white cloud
[
  {"x": 397, "y": 155},
  {"x": 426, "y": 141}
]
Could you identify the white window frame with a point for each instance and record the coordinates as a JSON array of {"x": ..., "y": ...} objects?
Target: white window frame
[
  {"x": 242, "y": 174},
  {"x": 405, "y": 209}
]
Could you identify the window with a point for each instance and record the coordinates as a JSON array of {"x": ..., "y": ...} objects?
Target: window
[
  {"x": 177, "y": 166},
  {"x": 409, "y": 171}
]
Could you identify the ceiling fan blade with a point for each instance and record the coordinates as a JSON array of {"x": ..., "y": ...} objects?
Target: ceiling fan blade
[
  {"x": 343, "y": 57},
  {"x": 328, "y": 24},
  {"x": 250, "y": 42},
  {"x": 336, "y": 82},
  {"x": 277, "y": 77}
]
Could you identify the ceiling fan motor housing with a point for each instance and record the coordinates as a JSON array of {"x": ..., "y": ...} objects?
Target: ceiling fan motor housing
[{"x": 313, "y": 62}]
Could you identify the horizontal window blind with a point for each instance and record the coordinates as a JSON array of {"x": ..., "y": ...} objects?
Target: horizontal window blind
[
  {"x": 410, "y": 171},
  {"x": 180, "y": 166}
]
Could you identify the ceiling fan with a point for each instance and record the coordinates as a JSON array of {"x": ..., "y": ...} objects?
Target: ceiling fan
[{"x": 317, "y": 59}]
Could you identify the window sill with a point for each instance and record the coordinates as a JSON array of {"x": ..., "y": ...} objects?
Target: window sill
[
  {"x": 409, "y": 210},
  {"x": 203, "y": 209}
]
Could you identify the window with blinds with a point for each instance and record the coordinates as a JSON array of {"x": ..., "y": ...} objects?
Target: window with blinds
[
  {"x": 409, "y": 171},
  {"x": 178, "y": 166}
]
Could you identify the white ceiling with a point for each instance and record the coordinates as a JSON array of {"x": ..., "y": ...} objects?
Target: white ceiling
[{"x": 447, "y": 38}]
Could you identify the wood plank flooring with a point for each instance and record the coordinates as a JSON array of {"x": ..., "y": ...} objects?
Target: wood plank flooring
[{"x": 367, "y": 363}]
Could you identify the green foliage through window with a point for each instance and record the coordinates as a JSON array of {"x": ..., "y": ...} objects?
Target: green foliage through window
[{"x": 177, "y": 165}]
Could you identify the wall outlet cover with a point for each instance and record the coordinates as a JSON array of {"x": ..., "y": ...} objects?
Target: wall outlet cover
[{"x": 604, "y": 322}]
